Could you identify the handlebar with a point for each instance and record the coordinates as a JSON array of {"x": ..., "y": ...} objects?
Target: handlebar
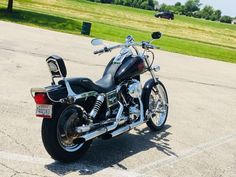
[
  {"x": 143, "y": 44},
  {"x": 107, "y": 49},
  {"x": 99, "y": 51}
]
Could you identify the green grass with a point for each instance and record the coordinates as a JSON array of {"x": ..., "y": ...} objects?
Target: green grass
[{"x": 111, "y": 22}]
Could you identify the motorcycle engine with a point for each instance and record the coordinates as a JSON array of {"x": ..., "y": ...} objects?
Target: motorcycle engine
[
  {"x": 132, "y": 93},
  {"x": 135, "y": 89}
]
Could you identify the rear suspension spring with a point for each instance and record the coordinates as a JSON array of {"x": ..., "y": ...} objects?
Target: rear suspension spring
[{"x": 97, "y": 106}]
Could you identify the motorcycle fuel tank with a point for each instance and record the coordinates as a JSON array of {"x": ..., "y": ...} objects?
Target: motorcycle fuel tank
[{"x": 132, "y": 66}]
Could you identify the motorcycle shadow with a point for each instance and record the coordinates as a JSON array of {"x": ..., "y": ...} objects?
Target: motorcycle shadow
[{"x": 110, "y": 153}]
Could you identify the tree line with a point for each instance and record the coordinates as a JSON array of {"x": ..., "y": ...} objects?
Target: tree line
[
  {"x": 193, "y": 8},
  {"x": 190, "y": 8},
  {"x": 142, "y": 4}
]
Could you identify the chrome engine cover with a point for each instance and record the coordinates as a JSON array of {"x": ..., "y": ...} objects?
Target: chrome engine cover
[{"x": 135, "y": 89}]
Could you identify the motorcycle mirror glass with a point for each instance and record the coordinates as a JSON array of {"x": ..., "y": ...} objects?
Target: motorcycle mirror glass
[
  {"x": 156, "y": 35},
  {"x": 95, "y": 42}
]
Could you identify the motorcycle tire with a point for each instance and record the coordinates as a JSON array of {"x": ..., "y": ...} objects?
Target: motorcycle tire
[
  {"x": 52, "y": 144},
  {"x": 156, "y": 125}
]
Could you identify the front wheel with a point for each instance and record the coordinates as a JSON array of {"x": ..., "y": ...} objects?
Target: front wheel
[
  {"x": 156, "y": 108},
  {"x": 58, "y": 137}
]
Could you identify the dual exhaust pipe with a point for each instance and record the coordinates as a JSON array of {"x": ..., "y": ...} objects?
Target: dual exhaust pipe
[{"x": 103, "y": 130}]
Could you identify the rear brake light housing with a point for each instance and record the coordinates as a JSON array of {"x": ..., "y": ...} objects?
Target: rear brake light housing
[{"x": 41, "y": 98}]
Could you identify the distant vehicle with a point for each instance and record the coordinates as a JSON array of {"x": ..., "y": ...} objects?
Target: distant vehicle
[{"x": 166, "y": 15}]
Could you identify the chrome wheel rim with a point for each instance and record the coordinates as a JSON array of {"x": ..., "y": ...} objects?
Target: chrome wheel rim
[
  {"x": 65, "y": 138},
  {"x": 158, "y": 105}
]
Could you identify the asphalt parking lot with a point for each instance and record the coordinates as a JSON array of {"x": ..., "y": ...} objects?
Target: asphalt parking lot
[{"x": 199, "y": 138}]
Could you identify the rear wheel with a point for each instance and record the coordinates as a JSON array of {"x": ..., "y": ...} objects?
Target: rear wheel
[
  {"x": 157, "y": 110},
  {"x": 58, "y": 134}
]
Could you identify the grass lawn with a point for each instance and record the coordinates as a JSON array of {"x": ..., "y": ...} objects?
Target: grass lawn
[{"x": 184, "y": 35}]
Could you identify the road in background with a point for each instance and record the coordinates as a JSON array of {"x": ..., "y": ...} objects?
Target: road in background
[{"x": 199, "y": 138}]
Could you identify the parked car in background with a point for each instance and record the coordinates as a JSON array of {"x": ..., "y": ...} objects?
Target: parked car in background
[{"x": 166, "y": 15}]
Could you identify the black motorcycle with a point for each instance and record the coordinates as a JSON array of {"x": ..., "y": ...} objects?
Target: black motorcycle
[{"x": 77, "y": 110}]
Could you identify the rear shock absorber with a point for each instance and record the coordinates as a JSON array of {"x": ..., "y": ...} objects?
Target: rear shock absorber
[{"x": 97, "y": 106}]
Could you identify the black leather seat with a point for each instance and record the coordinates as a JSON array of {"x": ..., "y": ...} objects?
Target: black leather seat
[
  {"x": 103, "y": 85},
  {"x": 106, "y": 82}
]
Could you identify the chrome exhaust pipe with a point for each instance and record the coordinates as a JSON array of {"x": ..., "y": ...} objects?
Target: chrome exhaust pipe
[
  {"x": 118, "y": 116},
  {"x": 131, "y": 126},
  {"x": 103, "y": 130},
  {"x": 120, "y": 131},
  {"x": 135, "y": 124},
  {"x": 93, "y": 134}
]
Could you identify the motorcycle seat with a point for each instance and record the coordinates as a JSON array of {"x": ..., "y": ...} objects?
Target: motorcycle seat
[{"x": 103, "y": 85}]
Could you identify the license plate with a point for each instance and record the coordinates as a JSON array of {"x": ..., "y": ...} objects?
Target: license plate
[{"x": 44, "y": 110}]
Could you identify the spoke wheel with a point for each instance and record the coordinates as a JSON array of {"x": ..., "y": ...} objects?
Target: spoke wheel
[{"x": 157, "y": 110}]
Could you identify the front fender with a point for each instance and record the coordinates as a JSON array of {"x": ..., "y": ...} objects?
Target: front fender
[{"x": 146, "y": 92}]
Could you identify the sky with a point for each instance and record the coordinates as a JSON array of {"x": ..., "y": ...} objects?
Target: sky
[{"x": 228, "y": 7}]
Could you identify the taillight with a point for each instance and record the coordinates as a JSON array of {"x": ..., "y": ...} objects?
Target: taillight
[{"x": 41, "y": 98}]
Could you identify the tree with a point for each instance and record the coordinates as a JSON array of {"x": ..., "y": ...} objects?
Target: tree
[
  {"x": 192, "y": 6},
  {"x": 165, "y": 8},
  {"x": 217, "y": 14},
  {"x": 10, "y": 5},
  {"x": 149, "y": 5},
  {"x": 197, "y": 14},
  {"x": 127, "y": 2},
  {"x": 178, "y": 8},
  {"x": 226, "y": 19},
  {"x": 207, "y": 12},
  {"x": 106, "y": 1},
  {"x": 134, "y": 3},
  {"x": 178, "y": 4}
]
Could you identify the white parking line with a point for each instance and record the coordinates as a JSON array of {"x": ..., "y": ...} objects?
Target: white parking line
[
  {"x": 148, "y": 167},
  {"x": 186, "y": 154}
]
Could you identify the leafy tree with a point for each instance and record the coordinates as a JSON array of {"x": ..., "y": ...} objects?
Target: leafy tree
[
  {"x": 127, "y": 2},
  {"x": 197, "y": 14},
  {"x": 178, "y": 4},
  {"x": 139, "y": 3},
  {"x": 151, "y": 4},
  {"x": 179, "y": 8},
  {"x": 134, "y": 3},
  {"x": 226, "y": 19},
  {"x": 106, "y": 1},
  {"x": 144, "y": 5},
  {"x": 147, "y": 5},
  {"x": 207, "y": 12},
  {"x": 217, "y": 14},
  {"x": 192, "y": 6},
  {"x": 165, "y": 8}
]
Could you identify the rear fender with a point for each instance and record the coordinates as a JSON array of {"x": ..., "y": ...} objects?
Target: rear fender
[
  {"x": 57, "y": 92},
  {"x": 54, "y": 92}
]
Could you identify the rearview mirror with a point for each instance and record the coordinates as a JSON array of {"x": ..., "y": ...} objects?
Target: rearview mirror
[
  {"x": 95, "y": 42},
  {"x": 156, "y": 35}
]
